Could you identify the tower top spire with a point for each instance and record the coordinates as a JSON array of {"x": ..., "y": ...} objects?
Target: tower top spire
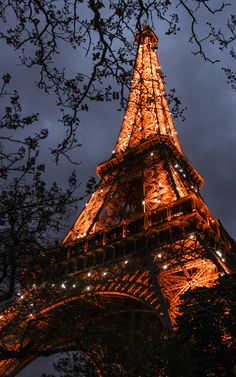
[
  {"x": 146, "y": 32},
  {"x": 147, "y": 113}
]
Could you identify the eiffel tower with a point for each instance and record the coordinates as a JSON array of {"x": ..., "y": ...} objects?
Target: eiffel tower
[
  {"x": 147, "y": 205},
  {"x": 146, "y": 233}
]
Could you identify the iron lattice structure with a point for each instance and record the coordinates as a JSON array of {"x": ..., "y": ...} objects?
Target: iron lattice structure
[{"x": 146, "y": 232}]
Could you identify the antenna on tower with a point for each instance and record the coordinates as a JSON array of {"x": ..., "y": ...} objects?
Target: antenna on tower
[{"x": 146, "y": 23}]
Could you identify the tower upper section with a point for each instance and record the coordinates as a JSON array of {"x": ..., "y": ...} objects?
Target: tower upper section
[{"x": 148, "y": 113}]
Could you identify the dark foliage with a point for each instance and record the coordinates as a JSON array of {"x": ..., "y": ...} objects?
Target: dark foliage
[
  {"x": 31, "y": 211},
  {"x": 207, "y": 328}
]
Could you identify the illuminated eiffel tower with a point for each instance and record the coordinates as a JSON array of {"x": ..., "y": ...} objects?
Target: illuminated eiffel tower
[
  {"x": 146, "y": 233},
  {"x": 147, "y": 206}
]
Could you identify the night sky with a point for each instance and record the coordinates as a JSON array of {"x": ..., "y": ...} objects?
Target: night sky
[{"x": 208, "y": 135}]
